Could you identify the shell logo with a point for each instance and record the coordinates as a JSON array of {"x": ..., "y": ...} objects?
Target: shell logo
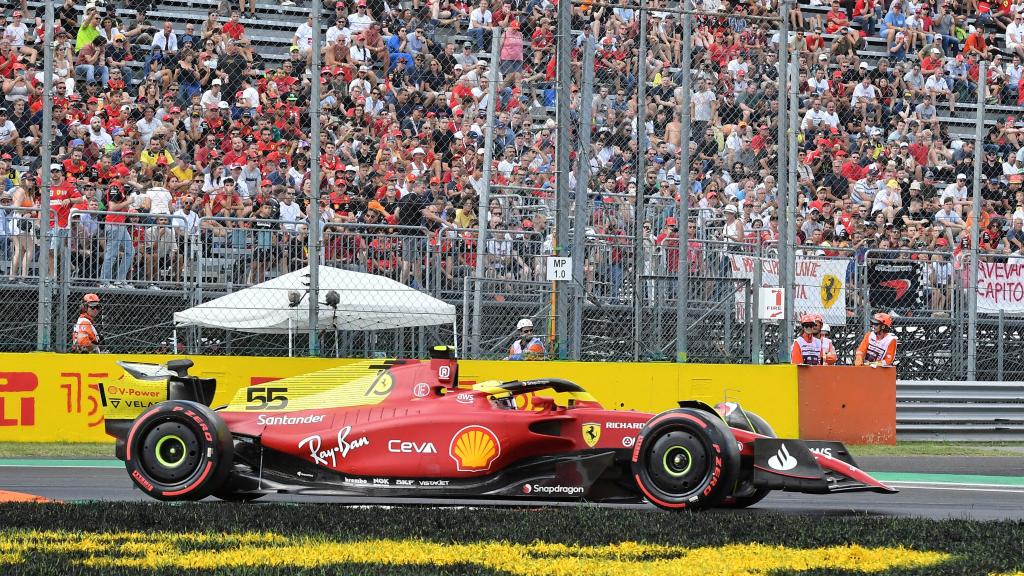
[{"x": 474, "y": 449}]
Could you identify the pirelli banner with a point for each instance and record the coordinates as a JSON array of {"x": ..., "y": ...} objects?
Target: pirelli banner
[{"x": 820, "y": 284}]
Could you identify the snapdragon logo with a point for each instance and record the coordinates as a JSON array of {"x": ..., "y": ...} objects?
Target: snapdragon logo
[
  {"x": 289, "y": 420},
  {"x": 550, "y": 490}
]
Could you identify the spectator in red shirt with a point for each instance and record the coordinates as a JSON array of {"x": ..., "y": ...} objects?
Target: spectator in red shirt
[{"x": 63, "y": 195}]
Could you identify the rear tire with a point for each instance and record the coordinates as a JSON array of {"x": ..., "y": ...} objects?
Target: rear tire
[
  {"x": 179, "y": 450},
  {"x": 685, "y": 459},
  {"x": 751, "y": 495}
]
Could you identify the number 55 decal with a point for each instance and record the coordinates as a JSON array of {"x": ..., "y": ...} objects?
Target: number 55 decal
[{"x": 266, "y": 398}]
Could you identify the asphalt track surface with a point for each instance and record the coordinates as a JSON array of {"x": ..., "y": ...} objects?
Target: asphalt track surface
[{"x": 979, "y": 488}]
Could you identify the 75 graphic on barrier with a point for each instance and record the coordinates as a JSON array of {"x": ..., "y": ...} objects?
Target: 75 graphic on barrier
[{"x": 83, "y": 389}]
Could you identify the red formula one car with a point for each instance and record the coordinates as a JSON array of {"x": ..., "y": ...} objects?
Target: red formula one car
[{"x": 406, "y": 428}]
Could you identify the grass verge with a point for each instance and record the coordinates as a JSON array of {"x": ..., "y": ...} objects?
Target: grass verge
[
  {"x": 158, "y": 539},
  {"x": 56, "y": 450},
  {"x": 940, "y": 449}
]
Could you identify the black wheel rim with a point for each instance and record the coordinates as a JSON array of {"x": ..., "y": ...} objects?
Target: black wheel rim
[
  {"x": 678, "y": 462},
  {"x": 170, "y": 452}
]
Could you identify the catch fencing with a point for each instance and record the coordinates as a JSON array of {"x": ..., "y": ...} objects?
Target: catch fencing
[{"x": 146, "y": 267}]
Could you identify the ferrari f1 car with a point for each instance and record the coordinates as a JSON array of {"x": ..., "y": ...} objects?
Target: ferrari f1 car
[{"x": 408, "y": 428}]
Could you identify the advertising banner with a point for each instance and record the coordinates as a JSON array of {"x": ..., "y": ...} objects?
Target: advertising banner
[
  {"x": 55, "y": 397},
  {"x": 820, "y": 284},
  {"x": 895, "y": 285},
  {"x": 1001, "y": 287}
]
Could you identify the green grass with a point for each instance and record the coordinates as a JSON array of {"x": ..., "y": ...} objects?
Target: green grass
[
  {"x": 975, "y": 548},
  {"x": 940, "y": 449},
  {"x": 56, "y": 450}
]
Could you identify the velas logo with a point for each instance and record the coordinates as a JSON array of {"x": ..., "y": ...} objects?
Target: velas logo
[
  {"x": 831, "y": 286},
  {"x": 591, "y": 433},
  {"x": 782, "y": 460},
  {"x": 474, "y": 449},
  {"x": 900, "y": 286}
]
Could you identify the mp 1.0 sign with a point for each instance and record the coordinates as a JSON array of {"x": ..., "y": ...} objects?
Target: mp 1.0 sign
[{"x": 559, "y": 268}]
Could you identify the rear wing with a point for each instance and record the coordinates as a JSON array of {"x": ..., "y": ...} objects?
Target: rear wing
[{"x": 145, "y": 385}]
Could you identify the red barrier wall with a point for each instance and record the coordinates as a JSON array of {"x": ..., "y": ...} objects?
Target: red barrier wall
[{"x": 852, "y": 404}]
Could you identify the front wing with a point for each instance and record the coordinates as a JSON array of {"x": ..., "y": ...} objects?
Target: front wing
[{"x": 809, "y": 466}]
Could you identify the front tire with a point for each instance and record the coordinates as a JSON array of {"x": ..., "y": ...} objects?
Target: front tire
[
  {"x": 746, "y": 494},
  {"x": 179, "y": 450},
  {"x": 685, "y": 459}
]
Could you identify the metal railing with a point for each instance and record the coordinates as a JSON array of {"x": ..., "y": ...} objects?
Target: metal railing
[{"x": 959, "y": 411}]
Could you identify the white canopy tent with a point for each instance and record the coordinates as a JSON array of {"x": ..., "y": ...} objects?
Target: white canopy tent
[{"x": 366, "y": 302}]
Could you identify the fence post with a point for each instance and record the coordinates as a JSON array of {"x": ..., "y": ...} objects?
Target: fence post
[
  {"x": 756, "y": 354},
  {"x": 782, "y": 179},
  {"x": 972, "y": 288},
  {"x": 579, "y": 237},
  {"x": 45, "y": 312},
  {"x": 999, "y": 346},
  {"x": 485, "y": 196},
  {"x": 793, "y": 125},
  {"x": 683, "y": 216},
  {"x": 314, "y": 200},
  {"x": 641, "y": 169},
  {"x": 563, "y": 77}
]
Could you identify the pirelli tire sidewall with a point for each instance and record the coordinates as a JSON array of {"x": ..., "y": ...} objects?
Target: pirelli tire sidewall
[
  {"x": 685, "y": 459},
  {"x": 179, "y": 450}
]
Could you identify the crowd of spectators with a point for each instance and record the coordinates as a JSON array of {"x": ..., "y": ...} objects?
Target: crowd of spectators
[{"x": 202, "y": 143}]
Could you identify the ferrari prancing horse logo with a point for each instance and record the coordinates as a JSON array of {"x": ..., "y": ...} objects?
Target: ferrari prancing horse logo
[
  {"x": 831, "y": 287},
  {"x": 591, "y": 433}
]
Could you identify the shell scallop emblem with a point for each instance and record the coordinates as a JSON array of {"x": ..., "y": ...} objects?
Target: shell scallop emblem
[{"x": 474, "y": 449}]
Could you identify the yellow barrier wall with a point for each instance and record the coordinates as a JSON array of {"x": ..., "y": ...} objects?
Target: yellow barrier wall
[{"x": 47, "y": 397}]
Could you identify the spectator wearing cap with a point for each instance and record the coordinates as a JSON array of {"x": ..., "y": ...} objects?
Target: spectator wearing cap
[
  {"x": 98, "y": 135},
  {"x": 360, "y": 19},
  {"x": 957, "y": 190},
  {"x": 213, "y": 96},
  {"x": 17, "y": 34}
]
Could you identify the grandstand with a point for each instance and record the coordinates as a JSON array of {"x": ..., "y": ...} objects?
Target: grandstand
[{"x": 421, "y": 146}]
